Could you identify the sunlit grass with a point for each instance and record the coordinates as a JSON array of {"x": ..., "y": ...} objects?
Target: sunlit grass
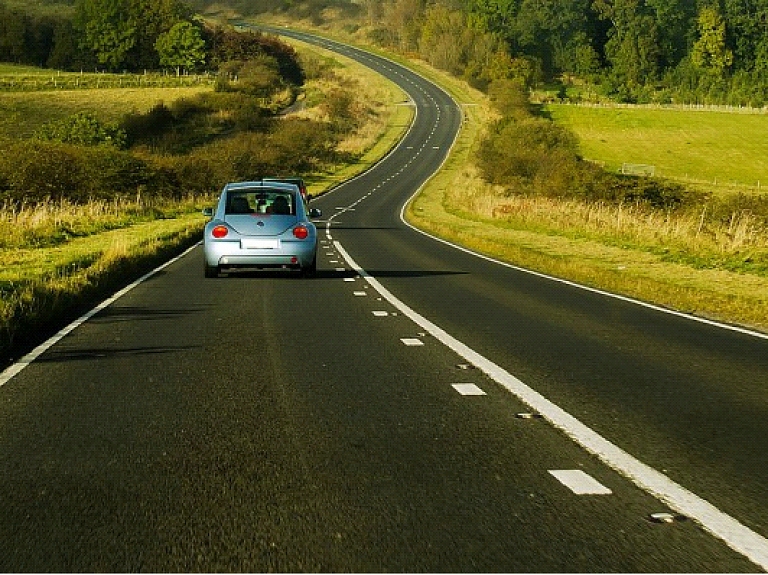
[
  {"x": 22, "y": 113},
  {"x": 86, "y": 248},
  {"x": 667, "y": 258},
  {"x": 707, "y": 147}
]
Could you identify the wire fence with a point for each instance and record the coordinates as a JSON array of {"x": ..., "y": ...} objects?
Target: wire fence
[
  {"x": 90, "y": 81},
  {"x": 683, "y": 107}
]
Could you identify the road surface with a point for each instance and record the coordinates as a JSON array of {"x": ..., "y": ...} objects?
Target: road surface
[{"x": 413, "y": 408}]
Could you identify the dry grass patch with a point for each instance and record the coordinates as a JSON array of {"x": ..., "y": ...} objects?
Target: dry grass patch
[{"x": 545, "y": 235}]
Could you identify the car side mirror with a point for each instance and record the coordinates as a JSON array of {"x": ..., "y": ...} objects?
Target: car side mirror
[
  {"x": 315, "y": 213},
  {"x": 208, "y": 212}
]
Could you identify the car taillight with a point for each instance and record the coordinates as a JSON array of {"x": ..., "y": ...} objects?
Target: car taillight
[
  {"x": 300, "y": 232},
  {"x": 219, "y": 231}
]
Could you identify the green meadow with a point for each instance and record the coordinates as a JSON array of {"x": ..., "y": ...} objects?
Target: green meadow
[
  {"x": 31, "y": 97},
  {"x": 716, "y": 148}
]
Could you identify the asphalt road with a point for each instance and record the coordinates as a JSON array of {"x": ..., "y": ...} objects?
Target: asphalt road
[{"x": 385, "y": 416}]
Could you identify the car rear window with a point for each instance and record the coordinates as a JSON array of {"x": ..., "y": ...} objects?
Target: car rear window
[{"x": 275, "y": 202}]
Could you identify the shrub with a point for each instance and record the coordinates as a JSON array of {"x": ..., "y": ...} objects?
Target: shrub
[
  {"x": 83, "y": 129},
  {"x": 35, "y": 170},
  {"x": 143, "y": 128},
  {"x": 524, "y": 149}
]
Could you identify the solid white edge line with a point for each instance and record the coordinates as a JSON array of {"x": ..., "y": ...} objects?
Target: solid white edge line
[
  {"x": 570, "y": 283},
  {"x": 733, "y": 533},
  {"x": 736, "y": 535},
  {"x": 13, "y": 370}
]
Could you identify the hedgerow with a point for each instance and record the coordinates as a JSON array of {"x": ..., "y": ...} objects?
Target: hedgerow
[{"x": 525, "y": 153}]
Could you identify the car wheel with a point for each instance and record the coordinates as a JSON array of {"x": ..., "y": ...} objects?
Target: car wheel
[{"x": 211, "y": 271}]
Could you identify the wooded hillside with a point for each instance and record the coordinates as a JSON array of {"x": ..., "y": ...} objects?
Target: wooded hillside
[{"x": 693, "y": 51}]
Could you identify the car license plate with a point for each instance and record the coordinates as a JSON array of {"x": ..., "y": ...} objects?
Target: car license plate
[{"x": 254, "y": 244}]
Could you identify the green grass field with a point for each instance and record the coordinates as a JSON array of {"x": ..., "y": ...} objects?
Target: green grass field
[
  {"x": 31, "y": 97},
  {"x": 21, "y": 113},
  {"x": 718, "y": 149}
]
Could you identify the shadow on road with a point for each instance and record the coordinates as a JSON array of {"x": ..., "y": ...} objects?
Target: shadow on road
[{"x": 56, "y": 355}]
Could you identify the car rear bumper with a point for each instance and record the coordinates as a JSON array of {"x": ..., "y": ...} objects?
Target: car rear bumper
[{"x": 230, "y": 254}]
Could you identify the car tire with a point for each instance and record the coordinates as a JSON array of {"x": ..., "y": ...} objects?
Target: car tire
[
  {"x": 311, "y": 270},
  {"x": 211, "y": 271}
]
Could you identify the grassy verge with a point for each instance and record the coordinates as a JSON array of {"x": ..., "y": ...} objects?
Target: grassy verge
[
  {"x": 609, "y": 257},
  {"x": 44, "y": 288},
  {"x": 534, "y": 244},
  {"x": 89, "y": 255}
]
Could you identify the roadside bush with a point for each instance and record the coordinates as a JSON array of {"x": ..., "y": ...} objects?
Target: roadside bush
[
  {"x": 726, "y": 207},
  {"x": 510, "y": 98},
  {"x": 339, "y": 107},
  {"x": 144, "y": 128},
  {"x": 259, "y": 77},
  {"x": 524, "y": 149},
  {"x": 250, "y": 117},
  {"x": 304, "y": 145},
  {"x": 34, "y": 171},
  {"x": 656, "y": 193},
  {"x": 83, "y": 129}
]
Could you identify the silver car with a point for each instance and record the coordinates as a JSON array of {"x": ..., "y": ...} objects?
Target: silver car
[{"x": 260, "y": 225}]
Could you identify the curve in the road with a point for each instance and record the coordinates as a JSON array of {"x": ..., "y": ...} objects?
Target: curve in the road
[{"x": 735, "y": 534}]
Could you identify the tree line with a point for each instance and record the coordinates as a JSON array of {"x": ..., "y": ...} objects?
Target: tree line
[
  {"x": 686, "y": 51},
  {"x": 713, "y": 51},
  {"x": 128, "y": 35}
]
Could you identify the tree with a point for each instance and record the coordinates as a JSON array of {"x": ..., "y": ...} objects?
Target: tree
[
  {"x": 153, "y": 18},
  {"x": 709, "y": 51},
  {"x": 106, "y": 30},
  {"x": 674, "y": 19},
  {"x": 181, "y": 47},
  {"x": 495, "y": 15},
  {"x": 123, "y": 33},
  {"x": 556, "y": 32},
  {"x": 13, "y": 28},
  {"x": 633, "y": 41},
  {"x": 746, "y": 24},
  {"x": 404, "y": 19}
]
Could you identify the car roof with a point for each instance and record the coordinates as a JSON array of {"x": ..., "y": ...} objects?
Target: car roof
[
  {"x": 285, "y": 179},
  {"x": 266, "y": 184}
]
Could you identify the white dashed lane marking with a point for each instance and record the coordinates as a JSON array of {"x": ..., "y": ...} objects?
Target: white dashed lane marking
[
  {"x": 579, "y": 482},
  {"x": 734, "y": 533},
  {"x": 468, "y": 389}
]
